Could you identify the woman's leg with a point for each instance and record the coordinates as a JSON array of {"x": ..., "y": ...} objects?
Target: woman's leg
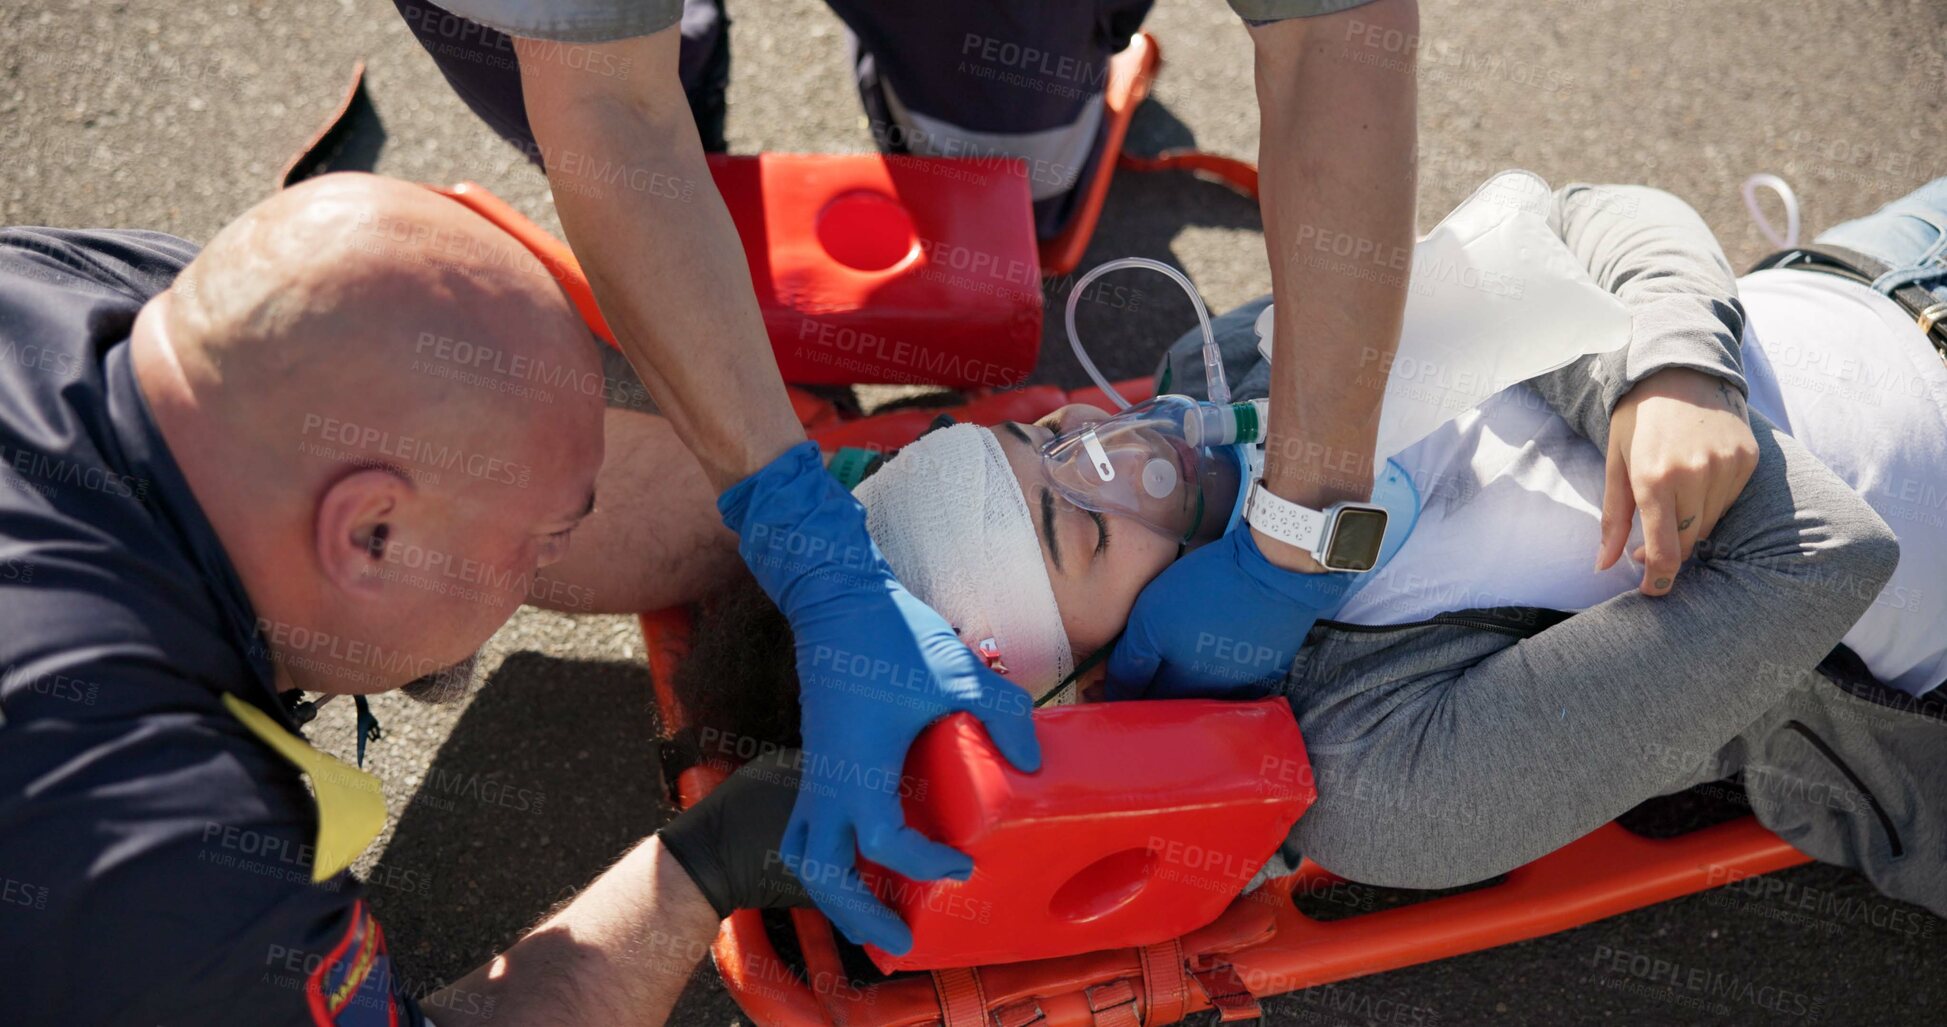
[
  {"x": 1909, "y": 234},
  {"x": 1853, "y": 775}
]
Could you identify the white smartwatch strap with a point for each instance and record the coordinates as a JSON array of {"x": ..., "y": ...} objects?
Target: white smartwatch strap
[{"x": 1283, "y": 519}]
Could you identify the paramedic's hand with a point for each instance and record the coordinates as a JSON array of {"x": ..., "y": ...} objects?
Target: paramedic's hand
[
  {"x": 731, "y": 842},
  {"x": 1221, "y": 623},
  {"x": 875, "y": 667},
  {"x": 1680, "y": 451}
]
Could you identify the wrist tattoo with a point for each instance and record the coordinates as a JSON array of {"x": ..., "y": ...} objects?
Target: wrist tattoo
[{"x": 1732, "y": 401}]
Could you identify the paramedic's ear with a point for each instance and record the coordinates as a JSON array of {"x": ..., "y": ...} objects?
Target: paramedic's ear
[{"x": 356, "y": 524}]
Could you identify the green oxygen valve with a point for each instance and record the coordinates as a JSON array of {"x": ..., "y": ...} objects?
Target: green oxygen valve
[
  {"x": 1250, "y": 417},
  {"x": 1225, "y": 424}
]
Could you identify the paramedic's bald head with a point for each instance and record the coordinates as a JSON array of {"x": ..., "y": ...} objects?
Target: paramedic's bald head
[
  {"x": 390, "y": 414},
  {"x": 358, "y": 293}
]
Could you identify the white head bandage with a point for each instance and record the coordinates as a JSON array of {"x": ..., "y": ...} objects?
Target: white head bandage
[{"x": 951, "y": 521}]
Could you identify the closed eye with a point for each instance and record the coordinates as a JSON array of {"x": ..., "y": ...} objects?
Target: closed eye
[{"x": 1048, "y": 527}]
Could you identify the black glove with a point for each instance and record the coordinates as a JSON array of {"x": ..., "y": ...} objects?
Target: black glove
[{"x": 730, "y": 842}]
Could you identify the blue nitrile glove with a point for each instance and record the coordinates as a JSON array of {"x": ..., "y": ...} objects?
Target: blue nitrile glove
[
  {"x": 1221, "y": 623},
  {"x": 875, "y": 667},
  {"x": 1225, "y": 623}
]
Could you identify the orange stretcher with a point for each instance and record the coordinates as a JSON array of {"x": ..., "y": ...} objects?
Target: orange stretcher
[
  {"x": 1131, "y": 73},
  {"x": 1261, "y": 944}
]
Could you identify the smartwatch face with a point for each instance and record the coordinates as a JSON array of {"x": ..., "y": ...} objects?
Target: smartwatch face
[{"x": 1355, "y": 539}]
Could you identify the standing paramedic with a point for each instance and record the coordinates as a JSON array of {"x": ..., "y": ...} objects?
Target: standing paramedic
[{"x": 638, "y": 85}]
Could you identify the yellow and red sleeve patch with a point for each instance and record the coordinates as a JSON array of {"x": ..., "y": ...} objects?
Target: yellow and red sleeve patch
[{"x": 352, "y": 987}]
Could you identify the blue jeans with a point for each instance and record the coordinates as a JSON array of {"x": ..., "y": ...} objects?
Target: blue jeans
[{"x": 1909, "y": 234}]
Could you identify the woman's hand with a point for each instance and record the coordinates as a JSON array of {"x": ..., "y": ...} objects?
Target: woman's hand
[{"x": 1680, "y": 451}]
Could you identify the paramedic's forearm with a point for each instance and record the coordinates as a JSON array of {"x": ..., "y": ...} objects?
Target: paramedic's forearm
[
  {"x": 620, "y": 953},
  {"x": 659, "y": 247},
  {"x": 1337, "y": 187}
]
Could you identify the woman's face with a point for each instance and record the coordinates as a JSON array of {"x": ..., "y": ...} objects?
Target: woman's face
[{"x": 1097, "y": 563}]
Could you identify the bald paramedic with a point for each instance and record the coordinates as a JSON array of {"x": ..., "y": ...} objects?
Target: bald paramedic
[
  {"x": 221, "y": 476},
  {"x": 639, "y": 85}
]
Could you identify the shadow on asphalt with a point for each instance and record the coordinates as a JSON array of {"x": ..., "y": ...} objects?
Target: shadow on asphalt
[
  {"x": 1128, "y": 318},
  {"x": 546, "y": 779}
]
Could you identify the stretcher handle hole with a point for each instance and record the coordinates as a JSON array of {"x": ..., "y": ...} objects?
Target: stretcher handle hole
[
  {"x": 1104, "y": 886},
  {"x": 867, "y": 231}
]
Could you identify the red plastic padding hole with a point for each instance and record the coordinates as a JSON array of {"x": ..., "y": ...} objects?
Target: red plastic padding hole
[
  {"x": 867, "y": 230},
  {"x": 1104, "y": 886}
]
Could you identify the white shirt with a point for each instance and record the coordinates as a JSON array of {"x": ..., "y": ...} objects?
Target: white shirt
[{"x": 1511, "y": 497}]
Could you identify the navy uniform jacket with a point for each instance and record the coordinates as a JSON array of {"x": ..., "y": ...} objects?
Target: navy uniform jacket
[{"x": 155, "y": 854}]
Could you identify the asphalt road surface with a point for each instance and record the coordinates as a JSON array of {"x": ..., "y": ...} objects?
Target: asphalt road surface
[{"x": 175, "y": 116}]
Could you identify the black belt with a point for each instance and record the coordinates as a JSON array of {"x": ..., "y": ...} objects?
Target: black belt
[{"x": 1929, "y": 313}]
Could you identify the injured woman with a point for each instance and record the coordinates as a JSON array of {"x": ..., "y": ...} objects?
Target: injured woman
[{"x": 1484, "y": 696}]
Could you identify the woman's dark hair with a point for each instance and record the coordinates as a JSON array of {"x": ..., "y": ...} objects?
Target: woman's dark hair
[{"x": 740, "y": 680}]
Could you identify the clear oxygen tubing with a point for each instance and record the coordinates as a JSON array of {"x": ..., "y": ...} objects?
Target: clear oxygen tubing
[
  {"x": 1751, "y": 185},
  {"x": 1213, "y": 364}
]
